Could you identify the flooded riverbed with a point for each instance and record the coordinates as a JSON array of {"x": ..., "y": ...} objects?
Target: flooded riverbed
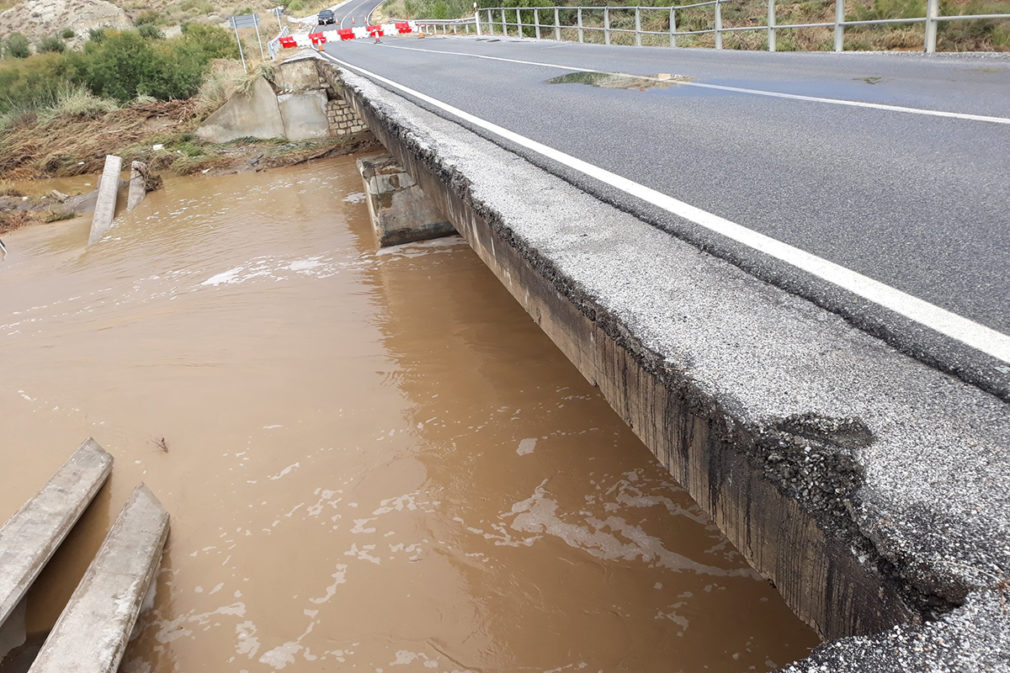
[{"x": 374, "y": 461}]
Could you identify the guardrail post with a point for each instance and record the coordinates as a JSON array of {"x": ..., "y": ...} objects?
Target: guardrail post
[
  {"x": 638, "y": 26},
  {"x": 490, "y": 23},
  {"x": 771, "y": 25},
  {"x": 519, "y": 24},
  {"x": 932, "y": 11},
  {"x": 718, "y": 24},
  {"x": 839, "y": 28},
  {"x": 673, "y": 27},
  {"x": 536, "y": 21},
  {"x": 606, "y": 25},
  {"x": 476, "y": 22},
  {"x": 504, "y": 26},
  {"x": 557, "y": 25},
  {"x": 580, "y": 24}
]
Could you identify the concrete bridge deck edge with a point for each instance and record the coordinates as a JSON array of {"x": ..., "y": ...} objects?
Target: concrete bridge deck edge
[{"x": 864, "y": 484}]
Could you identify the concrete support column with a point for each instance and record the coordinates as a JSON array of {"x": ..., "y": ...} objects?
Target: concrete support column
[
  {"x": 606, "y": 25},
  {"x": 557, "y": 26},
  {"x": 581, "y": 39},
  {"x": 400, "y": 211},
  {"x": 673, "y": 27},
  {"x": 638, "y": 26}
]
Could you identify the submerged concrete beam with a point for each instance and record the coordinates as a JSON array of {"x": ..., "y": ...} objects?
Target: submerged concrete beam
[
  {"x": 91, "y": 634},
  {"x": 30, "y": 538},
  {"x": 399, "y": 210},
  {"x": 105, "y": 207},
  {"x": 871, "y": 488}
]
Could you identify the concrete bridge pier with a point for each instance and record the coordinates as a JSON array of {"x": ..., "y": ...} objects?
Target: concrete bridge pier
[{"x": 398, "y": 207}]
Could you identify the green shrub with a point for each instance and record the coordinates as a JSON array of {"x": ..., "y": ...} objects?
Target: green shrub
[
  {"x": 68, "y": 33},
  {"x": 17, "y": 46},
  {"x": 32, "y": 84},
  {"x": 147, "y": 17},
  {"x": 53, "y": 43},
  {"x": 125, "y": 64},
  {"x": 150, "y": 31},
  {"x": 296, "y": 6},
  {"x": 96, "y": 34}
]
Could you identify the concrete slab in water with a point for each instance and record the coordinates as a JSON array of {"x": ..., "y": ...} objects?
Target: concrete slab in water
[
  {"x": 32, "y": 535},
  {"x": 138, "y": 184},
  {"x": 105, "y": 208},
  {"x": 91, "y": 634}
]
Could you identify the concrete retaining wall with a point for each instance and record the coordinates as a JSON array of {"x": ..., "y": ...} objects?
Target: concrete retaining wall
[
  {"x": 301, "y": 103},
  {"x": 830, "y": 460}
]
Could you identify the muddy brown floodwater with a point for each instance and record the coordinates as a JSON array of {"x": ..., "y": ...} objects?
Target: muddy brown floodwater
[{"x": 375, "y": 460}]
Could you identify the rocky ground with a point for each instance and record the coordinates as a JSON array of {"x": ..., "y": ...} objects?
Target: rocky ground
[{"x": 39, "y": 18}]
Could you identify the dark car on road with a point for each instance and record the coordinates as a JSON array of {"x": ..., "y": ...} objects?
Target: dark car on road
[{"x": 326, "y": 16}]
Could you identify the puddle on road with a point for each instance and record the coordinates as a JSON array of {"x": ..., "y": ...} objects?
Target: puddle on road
[
  {"x": 606, "y": 80},
  {"x": 375, "y": 460}
]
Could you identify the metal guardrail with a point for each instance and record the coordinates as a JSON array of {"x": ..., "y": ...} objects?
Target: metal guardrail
[
  {"x": 494, "y": 19},
  {"x": 454, "y": 26},
  {"x": 274, "y": 45}
]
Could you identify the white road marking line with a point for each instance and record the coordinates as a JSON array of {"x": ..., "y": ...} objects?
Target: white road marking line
[
  {"x": 736, "y": 89},
  {"x": 984, "y": 339}
]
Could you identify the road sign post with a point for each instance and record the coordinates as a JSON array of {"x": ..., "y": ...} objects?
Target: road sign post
[{"x": 246, "y": 21}]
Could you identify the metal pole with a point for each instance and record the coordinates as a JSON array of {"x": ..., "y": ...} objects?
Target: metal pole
[
  {"x": 606, "y": 25},
  {"x": 240, "y": 54},
  {"x": 557, "y": 26},
  {"x": 519, "y": 24},
  {"x": 536, "y": 21},
  {"x": 638, "y": 27},
  {"x": 839, "y": 28},
  {"x": 262, "y": 55},
  {"x": 718, "y": 24},
  {"x": 673, "y": 27},
  {"x": 580, "y": 24},
  {"x": 771, "y": 25},
  {"x": 932, "y": 11},
  {"x": 504, "y": 26},
  {"x": 490, "y": 23},
  {"x": 476, "y": 22}
]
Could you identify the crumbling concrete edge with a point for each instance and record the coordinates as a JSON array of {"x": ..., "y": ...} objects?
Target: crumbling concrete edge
[
  {"x": 95, "y": 627},
  {"x": 33, "y": 534},
  {"x": 861, "y": 572}
]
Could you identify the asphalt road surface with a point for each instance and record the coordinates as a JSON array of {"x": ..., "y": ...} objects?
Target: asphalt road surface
[{"x": 909, "y": 187}]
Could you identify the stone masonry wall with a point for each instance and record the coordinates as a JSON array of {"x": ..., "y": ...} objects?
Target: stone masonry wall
[{"x": 342, "y": 118}]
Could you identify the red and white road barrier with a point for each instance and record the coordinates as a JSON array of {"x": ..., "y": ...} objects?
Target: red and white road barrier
[{"x": 318, "y": 39}]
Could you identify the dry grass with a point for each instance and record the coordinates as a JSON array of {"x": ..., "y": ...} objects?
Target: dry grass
[
  {"x": 15, "y": 219},
  {"x": 72, "y": 145}
]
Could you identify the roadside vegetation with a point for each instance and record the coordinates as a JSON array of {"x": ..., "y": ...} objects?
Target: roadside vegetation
[{"x": 952, "y": 36}]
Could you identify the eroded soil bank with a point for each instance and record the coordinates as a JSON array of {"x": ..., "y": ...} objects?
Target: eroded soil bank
[{"x": 375, "y": 460}]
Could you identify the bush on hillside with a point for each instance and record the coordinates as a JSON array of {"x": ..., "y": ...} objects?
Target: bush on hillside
[
  {"x": 53, "y": 43},
  {"x": 96, "y": 34},
  {"x": 146, "y": 17},
  {"x": 17, "y": 46},
  {"x": 125, "y": 65},
  {"x": 67, "y": 33},
  {"x": 150, "y": 31}
]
